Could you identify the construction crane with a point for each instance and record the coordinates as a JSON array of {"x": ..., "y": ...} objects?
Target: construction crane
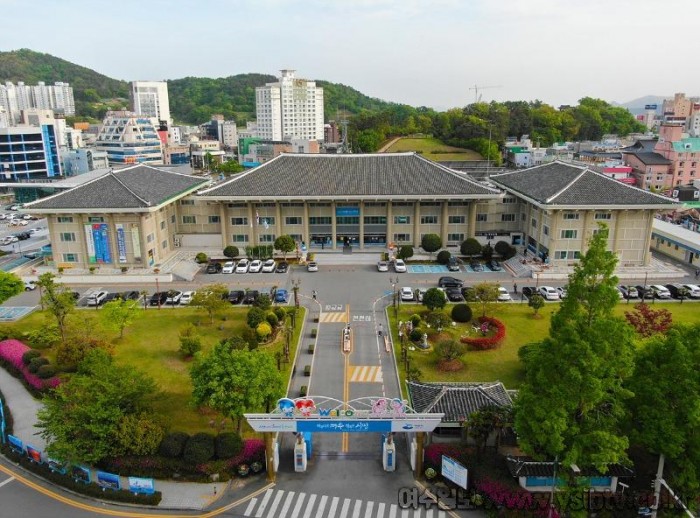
[{"x": 476, "y": 88}]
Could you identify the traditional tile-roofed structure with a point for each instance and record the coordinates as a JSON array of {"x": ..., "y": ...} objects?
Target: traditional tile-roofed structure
[{"x": 456, "y": 400}]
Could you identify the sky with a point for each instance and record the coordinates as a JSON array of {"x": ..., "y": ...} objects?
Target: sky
[{"x": 423, "y": 53}]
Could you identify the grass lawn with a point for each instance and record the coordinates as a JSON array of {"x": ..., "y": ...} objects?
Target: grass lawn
[
  {"x": 502, "y": 363},
  {"x": 433, "y": 149},
  {"x": 151, "y": 345}
]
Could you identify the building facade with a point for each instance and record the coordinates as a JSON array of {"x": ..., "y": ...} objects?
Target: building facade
[
  {"x": 290, "y": 108},
  {"x": 57, "y": 97},
  {"x": 150, "y": 99},
  {"x": 29, "y": 153},
  {"x": 683, "y": 152},
  {"x": 129, "y": 139}
]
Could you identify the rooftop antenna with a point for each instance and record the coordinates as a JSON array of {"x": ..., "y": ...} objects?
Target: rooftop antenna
[{"x": 476, "y": 88}]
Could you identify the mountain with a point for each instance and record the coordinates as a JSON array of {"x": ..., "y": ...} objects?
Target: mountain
[{"x": 636, "y": 106}]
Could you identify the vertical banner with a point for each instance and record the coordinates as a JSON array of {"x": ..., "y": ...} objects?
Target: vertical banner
[
  {"x": 121, "y": 242},
  {"x": 136, "y": 242},
  {"x": 151, "y": 259},
  {"x": 100, "y": 236},
  {"x": 90, "y": 244},
  {"x": 2, "y": 423}
]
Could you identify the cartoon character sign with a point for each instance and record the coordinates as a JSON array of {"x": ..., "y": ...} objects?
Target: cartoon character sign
[
  {"x": 379, "y": 407},
  {"x": 398, "y": 407},
  {"x": 305, "y": 406},
  {"x": 286, "y": 406}
]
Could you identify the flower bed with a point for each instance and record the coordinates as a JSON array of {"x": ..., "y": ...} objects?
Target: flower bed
[
  {"x": 11, "y": 352},
  {"x": 487, "y": 342}
]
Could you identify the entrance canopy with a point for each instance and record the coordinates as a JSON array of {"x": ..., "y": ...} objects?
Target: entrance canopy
[{"x": 326, "y": 414}]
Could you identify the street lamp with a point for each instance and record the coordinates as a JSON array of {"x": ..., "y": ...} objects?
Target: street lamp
[
  {"x": 296, "y": 283},
  {"x": 394, "y": 282}
]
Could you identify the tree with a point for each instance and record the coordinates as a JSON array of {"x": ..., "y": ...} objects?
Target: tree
[
  {"x": 190, "y": 341},
  {"x": 236, "y": 381},
  {"x": 285, "y": 244},
  {"x": 434, "y": 299},
  {"x": 536, "y": 302},
  {"x": 431, "y": 243},
  {"x": 647, "y": 321},
  {"x": 572, "y": 402},
  {"x": 10, "y": 285},
  {"x": 405, "y": 252},
  {"x": 119, "y": 314},
  {"x": 486, "y": 295},
  {"x": 231, "y": 251},
  {"x": 470, "y": 247},
  {"x": 448, "y": 350},
  {"x": 487, "y": 420},
  {"x": 57, "y": 299},
  {"x": 81, "y": 420},
  {"x": 211, "y": 298},
  {"x": 229, "y": 167},
  {"x": 255, "y": 317},
  {"x": 82, "y": 337},
  {"x": 501, "y": 248},
  {"x": 487, "y": 252}
]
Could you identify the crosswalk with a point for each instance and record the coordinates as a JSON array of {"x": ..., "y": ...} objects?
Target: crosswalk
[
  {"x": 366, "y": 373},
  {"x": 334, "y": 317},
  {"x": 276, "y": 503}
]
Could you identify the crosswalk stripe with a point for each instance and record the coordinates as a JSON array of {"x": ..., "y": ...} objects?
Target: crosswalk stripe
[
  {"x": 366, "y": 374},
  {"x": 297, "y": 507},
  {"x": 334, "y": 506},
  {"x": 321, "y": 506},
  {"x": 287, "y": 503},
  {"x": 346, "y": 507},
  {"x": 380, "y": 509},
  {"x": 370, "y": 508},
  {"x": 333, "y": 317},
  {"x": 404, "y": 513},
  {"x": 250, "y": 507},
  {"x": 309, "y": 506},
  {"x": 263, "y": 504},
  {"x": 392, "y": 511},
  {"x": 275, "y": 503},
  {"x": 356, "y": 509}
]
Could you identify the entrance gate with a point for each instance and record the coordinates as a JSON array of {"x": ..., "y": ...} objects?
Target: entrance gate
[{"x": 325, "y": 414}]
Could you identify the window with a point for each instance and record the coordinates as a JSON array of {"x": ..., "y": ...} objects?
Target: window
[
  {"x": 319, "y": 204},
  {"x": 186, "y": 202},
  {"x": 457, "y": 203},
  {"x": 70, "y": 258},
  {"x": 269, "y": 219},
  {"x": 456, "y": 219},
  {"x": 571, "y": 215},
  {"x": 162, "y": 225},
  {"x": 295, "y": 237},
  {"x": 189, "y": 220},
  {"x": 510, "y": 200},
  {"x": 347, "y": 220},
  {"x": 482, "y": 217},
  {"x": 603, "y": 215},
  {"x": 239, "y": 221},
  {"x": 402, "y": 220},
  {"x": 236, "y": 205},
  {"x": 402, "y": 204},
  {"x": 429, "y": 220},
  {"x": 96, "y": 219},
  {"x": 507, "y": 217},
  {"x": 569, "y": 234},
  {"x": 375, "y": 204},
  {"x": 214, "y": 219},
  {"x": 172, "y": 218},
  {"x": 150, "y": 238},
  {"x": 402, "y": 238},
  {"x": 375, "y": 220},
  {"x": 293, "y": 220},
  {"x": 430, "y": 204},
  {"x": 320, "y": 220},
  {"x": 164, "y": 244},
  {"x": 291, "y": 204},
  {"x": 67, "y": 236},
  {"x": 267, "y": 204},
  {"x": 267, "y": 238},
  {"x": 567, "y": 254},
  {"x": 545, "y": 230},
  {"x": 533, "y": 222},
  {"x": 455, "y": 238},
  {"x": 240, "y": 238},
  {"x": 65, "y": 219}
]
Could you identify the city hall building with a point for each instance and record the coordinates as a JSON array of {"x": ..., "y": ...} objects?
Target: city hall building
[{"x": 140, "y": 216}]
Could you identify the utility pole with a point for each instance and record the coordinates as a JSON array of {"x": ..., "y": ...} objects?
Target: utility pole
[{"x": 476, "y": 89}]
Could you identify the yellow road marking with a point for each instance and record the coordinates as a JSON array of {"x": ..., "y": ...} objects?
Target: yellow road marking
[
  {"x": 125, "y": 514},
  {"x": 336, "y": 316},
  {"x": 366, "y": 374}
]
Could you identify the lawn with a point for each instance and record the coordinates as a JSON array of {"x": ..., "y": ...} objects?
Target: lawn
[
  {"x": 151, "y": 345},
  {"x": 502, "y": 363},
  {"x": 433, "y": 149}
]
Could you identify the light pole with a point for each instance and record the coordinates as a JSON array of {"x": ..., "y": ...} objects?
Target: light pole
[
  {"x": 394, "y": 282},
  {"x": 296, "y": 283}
]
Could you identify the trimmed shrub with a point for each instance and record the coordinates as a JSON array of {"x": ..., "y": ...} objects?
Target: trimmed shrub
[
  {"x": 416, "y": 335},
  {"x": 307, "y": 370},
  {"x": 487, "y": 252},
  {"x": 46, "y": 371},
  {"x": 255, "y": 317},
  {"x": 173, "y": 445},
  {"x": 35, "y": 363},
  {"x": 312, "y": 347},
  {"x": 303, "y": 391},
  {"x": 228, "y": 444},
  {"x": 415, "y": 320},
  {"x": 201, "y": 258},
  {"x": 263, "y": 330},
  {"x": 443, "y": 256},
  {"x": 281, "y": 314},
  {"x": 199, "y": 448},
  {"x": 487, "y": 342},
  {"x": 314, "y": 332},
  {"x": 272, "y": 320},
  {"x": 405, "y": 252},
  {"x": 231, "y": 251},
  {"x": 29, "y": 356},
  {"x": 461, "y": 313},
  {"x": 502, "y": 247}
]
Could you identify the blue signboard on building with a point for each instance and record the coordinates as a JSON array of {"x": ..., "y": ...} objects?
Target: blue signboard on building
[
  {"x": 121, "y": 242},
  {"x": 347, "y": 211},
  {"x": 344, "y": 426},
  {"x": 100, "y": 237}
]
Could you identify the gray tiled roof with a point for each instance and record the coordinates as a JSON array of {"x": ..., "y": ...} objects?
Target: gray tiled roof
[
  {"x": 528, "y": 467},
  {"x": 131, "y": 188},
  {"x": 558, "y": 183},
  {"x": 456, "y": 400},
  {"x": 649, "y": 158},
  {"x": 298, "y": 175}
]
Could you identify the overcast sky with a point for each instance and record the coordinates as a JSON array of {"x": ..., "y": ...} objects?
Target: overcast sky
[{"x": 417, "y": 52}]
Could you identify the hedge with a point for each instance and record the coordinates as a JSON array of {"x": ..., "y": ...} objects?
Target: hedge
[
  {"x": 312, "y": 347},
  {"x": 487, "y": 342},
  {"x": 227, "y": 445},
  {"x": 199, "y": 448},
  {"x": 307, "y": 370},
  {"x": 11, "y": 354},
  {"x": 173, "y": 445}
]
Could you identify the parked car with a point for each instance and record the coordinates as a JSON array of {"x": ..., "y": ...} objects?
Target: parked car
[
  {"x": 476, "y": 266},
  {"x": 419, "y": 293},
  {"x": 529, "y": 291},
  {"x": 250, "y": 296},
  {"x": 503, "y": 295},
  {"x": 29, "y": 285},
  {"x": 693, "y": 290},
  {"x": 214, "y": 268},
  {"x": 111, "y": 296},
  {"x": 453, "y": 264},
  {"x": 628, "y": 292},
  {"x": 660, "y": 292},
  {"x": 281, "y": 295},
  {"x": 454, "y": 294},
  {"x": 399, "y": 266},
  {"x": 269, "y": 266},
  {"x": 236, "y": 296},
  {"x": 548, "y": 293},
  {"x": 495, "y": 266},
  {"x": 562, "y": 290},
  {"x": 173, "y": 297},
  {"x": 242, "y": 266},
  {"x": 158, "y": 298},
  {"x": 255, "y": 266},
  {"x": 229, "y": 267},
  {"x": 383, "y": 266},
  {"x": 187, "y": 297},
  {"x": 678, "y": 291},
  {"x": 645, "y": 292},
  {"x": 97, "y": 299},
  {"x": 282, "y": 267},
  {"x": 312, "y": 266},
  {"x": 450, "y": 282},
  {"x": 8, "y": 240},
  {"x": 129, "y": 295},
  {"x": 407, "y": 294},
  {"x": 23, "y": 235}
]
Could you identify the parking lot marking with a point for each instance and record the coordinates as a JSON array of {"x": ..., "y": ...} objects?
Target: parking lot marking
[
  {"x": 6, "y": 481},
  {"x": 366, "y": 374}
]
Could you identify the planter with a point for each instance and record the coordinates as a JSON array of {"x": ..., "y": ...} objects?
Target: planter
[
  {"x": 243, "y": 470},
  {"x": 307, "y": 370},
  {"x": 256, "y": 467}
]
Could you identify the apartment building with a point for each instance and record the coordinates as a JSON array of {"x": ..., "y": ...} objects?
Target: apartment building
[
  {"x": 129, "y": 139},
  {"x": 15, "y": 98},
  {"x": 150, "y": 99}
]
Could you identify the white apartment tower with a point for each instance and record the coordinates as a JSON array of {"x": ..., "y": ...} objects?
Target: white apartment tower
[
  {"x": 15, "y": 98},
  {"x": 290, "y": 108},
  {"x": 150, "y": 99}
]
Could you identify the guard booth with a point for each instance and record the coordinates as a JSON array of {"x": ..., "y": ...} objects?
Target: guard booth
[{"x": 320, "y": 414}]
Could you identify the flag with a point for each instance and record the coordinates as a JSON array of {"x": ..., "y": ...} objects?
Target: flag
[
  {"x": 266, "y": 224},
  {"x": 257, "y": 218}
]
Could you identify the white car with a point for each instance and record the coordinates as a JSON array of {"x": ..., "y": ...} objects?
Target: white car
[
  {"x": 503, "y": 295},
  {"x": 693, "y": 290},
  {"x": 8, "y": 240},
  {"x": 400, "y": 266},
  {"x": 242, "y": 266},
  {"x": 34, "y": 230},
  {"x": 97, "y": 298},
  {"x": 548, "y": 293},
  {"x": 229, "y": 266},
  {"x": 383, "y": 266},
  {"x": 186, "y": 297},
  {"x": 660, "y": 292},
  {"x": 312, "y": 267},
  {"x": 407, "y": 293},
  {"x": 255, "y": 266},
  {"x": 29, "y": 285},
  {"x": 269, "y": 266}
]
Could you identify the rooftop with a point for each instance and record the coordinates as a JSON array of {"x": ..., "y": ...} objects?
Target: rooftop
[
  {"x": 528, "y": 467},
  {"x": 456, "y": 400}
]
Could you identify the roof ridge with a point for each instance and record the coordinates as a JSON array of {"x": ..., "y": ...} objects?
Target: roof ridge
[
  {"x": 146, "y": 202},
  {"x": 442, "y": 393},
  {"x": 62, "y": 191},
  {"x": 464, "y": 177},
  {"x": 568, "y": 185}
]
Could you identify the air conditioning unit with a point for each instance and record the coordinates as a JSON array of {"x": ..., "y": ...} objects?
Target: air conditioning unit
[{"x": 176, "y": 242}]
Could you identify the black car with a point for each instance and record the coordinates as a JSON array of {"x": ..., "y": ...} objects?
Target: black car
[
  {"x": 476, "y": 266},
  {"x": 454, "y": 294},
  {"x": 110, "y": 297},
  {"x": 250, "y": 296},
  {"x": 645, "y": 292},
  {"x": 214, "y": 268},
  {"x": 495, "y": 266},
  {"x": 129, "y": 295},
  {"x": 282, "y": 267},
  {"x": 158, "y": 298},
  {"x": 23, "y": 235},
  {"x": 450, "y": 282},
  {"x": 529, "y": 291},
  {"x": 678, "y": 291},
  {"x": 236, "y": 296}
]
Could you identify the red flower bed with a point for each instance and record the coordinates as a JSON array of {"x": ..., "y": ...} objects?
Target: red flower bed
[
  {"x": 487, "y": 342},
  {"x": 503, "y": 495},
  {"x": 11, "y": 351}
]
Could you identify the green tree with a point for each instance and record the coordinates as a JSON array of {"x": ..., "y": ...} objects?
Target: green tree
[
  {"x": 448, "y": 350},
  {"x": 139, "y": 435},
  {"x": 405, "y": 252},
  {"x": 119, "y": 314},
  {"x": 231, "y": 251},
  {"x": 255, "y": 317},
  {"x": 536, "y": 302},
  {"x": 434, "y": 299},
  {"x": 486, "y": 295},
  {"x": 211, "y": 298},
  {"x": 488, "y": 420},
  {"x": 229, "y": 167},
  {"x": 285, "y": 244},
  {"x": 573, "y": 399},
  {"x": 236, "y": 381},
  {"x": 10, "y": 285},
  {"x": 81, "y": 418},
  {"x": 190, "y": 341},
  {"x": 59, "y": 301},
  {"x": 470, "y": 247},
  {"x": 431, "y": 243}
]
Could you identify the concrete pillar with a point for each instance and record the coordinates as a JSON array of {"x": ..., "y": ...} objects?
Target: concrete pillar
[
  {"x": 471, "y": 219},
  {"x": 616, "y": 235},
  {"x": 305, "y": 236},
  {"x": 223, "y": 216},
  {"x": 443, "y": 223},
  {"x": 144, "y": 242},
  {"x": 647, "y": 240},
  {"x": 278, "y": 220},
  {"x": 586, "y": 229},
  {"x": 333, "y": 225},
  {"x": 389, "y": 223},
  {"x": 416, "y": 224},
  {"x": 420, "y": 438},
  {"x": 362, "y": 225},
  {"x": 253, "y": 225},
  {"x": 269, "y": 455}
]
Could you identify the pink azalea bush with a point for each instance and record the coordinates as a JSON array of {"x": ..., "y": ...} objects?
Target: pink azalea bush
[{"x": 11, "y": 351}]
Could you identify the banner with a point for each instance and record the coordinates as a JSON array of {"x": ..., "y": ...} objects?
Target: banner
[
  {"x": 100, "y": 235},
  {"x": 15, "y": 443},
  {"x": 34, "y": 455},
  {"x": 454, "y": 471},
  {"x": 136, "y": 241},
  {"x": 56, "y": 466},
  {"x": 90, "y": 244},
  {"x": 142, "y": 485},
  {"x": 2, "y": 423},
  {"x": 108, "y": 480},
  {"x": 80, "y": 474},
  {"x": 121, "y": 242}
]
